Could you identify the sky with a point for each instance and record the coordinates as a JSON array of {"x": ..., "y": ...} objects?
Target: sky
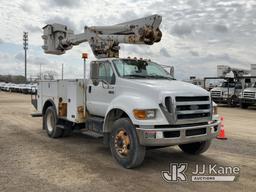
[{"x": 198, "y": 35}]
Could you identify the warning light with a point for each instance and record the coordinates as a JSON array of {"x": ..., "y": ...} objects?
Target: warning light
[{"x": 85, "y": 55}]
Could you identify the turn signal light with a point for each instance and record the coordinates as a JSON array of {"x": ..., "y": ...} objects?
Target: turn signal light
[
  {"x": 139, "y": 114},
  {"x": 144, "y": 114}
]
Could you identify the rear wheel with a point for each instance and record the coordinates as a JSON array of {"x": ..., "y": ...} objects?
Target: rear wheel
[
  {"x": 195, "y": 148},
  {"x": 50, "y": 122},
  {"x": 124, "y": 144}
]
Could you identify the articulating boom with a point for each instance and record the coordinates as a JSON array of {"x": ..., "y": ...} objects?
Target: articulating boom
[
  {"x": 104, "y": 40},
  {"x": 223, "y": 70}
]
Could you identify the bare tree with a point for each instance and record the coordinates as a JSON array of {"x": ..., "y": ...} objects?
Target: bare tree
[{"x": 47, "y": 75}]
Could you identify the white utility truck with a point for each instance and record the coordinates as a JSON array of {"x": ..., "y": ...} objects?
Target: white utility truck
[
  {"x": 248, "y": 96},
  {"x": 228, "y": 91},
  {"x": 132, "y": 103}
]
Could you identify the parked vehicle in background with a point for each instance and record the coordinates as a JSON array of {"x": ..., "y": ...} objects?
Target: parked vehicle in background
[
  {"x": 19, "y": 88},
  {"x": 234, "y": 82},
  {"x": 2, "y": 84},
  {"x": 227, "y": 93},
  {"x": 7, "y": 87},
  {"x": 196, "y": 81},
  {"x": 248, "y": 96}
]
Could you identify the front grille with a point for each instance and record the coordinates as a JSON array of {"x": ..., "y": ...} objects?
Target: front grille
[
  {"x": 180, "y": 125},
  {"x": 197, "y": 98},
  {"x": 189, "y": 109},
  {"x": 249, "y": 95},
  {"x": 216, "y": 93},
  {"x": 191, "y": 116}
]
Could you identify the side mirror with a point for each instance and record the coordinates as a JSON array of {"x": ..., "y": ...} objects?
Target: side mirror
[
  {"x": 172, "y": 71},
  {"x": 95, "y": 73}
]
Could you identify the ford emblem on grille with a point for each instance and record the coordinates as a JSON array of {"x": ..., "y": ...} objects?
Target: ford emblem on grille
[{"x": 194, "y": 107}]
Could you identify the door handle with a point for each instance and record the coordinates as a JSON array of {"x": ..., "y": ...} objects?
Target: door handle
[
  {"x": 111, "y": 92},
  {"x": 90, "y": 89}
]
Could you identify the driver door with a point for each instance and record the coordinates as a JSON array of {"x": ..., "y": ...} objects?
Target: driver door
[{"x": 101, "y": 88}]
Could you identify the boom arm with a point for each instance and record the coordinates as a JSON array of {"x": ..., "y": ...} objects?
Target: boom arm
[
  {"x": 223, "y": 70},
  {"x": 104, "y": 40}
]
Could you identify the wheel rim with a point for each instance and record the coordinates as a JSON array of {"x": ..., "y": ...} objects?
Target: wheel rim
[
  {"x": 122, "y": 143},
  {"x": 50, "y": 122}
]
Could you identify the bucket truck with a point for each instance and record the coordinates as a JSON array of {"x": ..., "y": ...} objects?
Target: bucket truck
[
  {"x": 229, "y": 90},
  {"x": 132, "y": 103},
  {"x": 248, "y": 96}
]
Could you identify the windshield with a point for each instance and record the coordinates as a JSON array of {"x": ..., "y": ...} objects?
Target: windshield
[
  {"x": 237, "y": 85},
  {"x": 226, "y": 84},
  {"x": 128, "y": 68}
]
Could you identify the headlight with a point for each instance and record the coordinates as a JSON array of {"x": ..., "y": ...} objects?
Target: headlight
[{"x": 143, "y": 114}]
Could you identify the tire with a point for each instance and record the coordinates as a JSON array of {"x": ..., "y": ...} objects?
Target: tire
[
  {"x": 244, "y": 105},
  {"x": 195, "y": 148},
  {"x": 124, "y": 137},
  {"x": 50, "y": 121},
  {"x": 67, "y": 132}
]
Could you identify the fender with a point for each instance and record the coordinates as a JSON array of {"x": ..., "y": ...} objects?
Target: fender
[
  {"x": 47, "y": 103},
  {"x": 127, "y": 103}
]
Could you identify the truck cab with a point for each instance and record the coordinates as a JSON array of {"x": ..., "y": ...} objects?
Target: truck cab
[
  {"x": 248, "y": 96},
  {"x": 133, "y": 104}
]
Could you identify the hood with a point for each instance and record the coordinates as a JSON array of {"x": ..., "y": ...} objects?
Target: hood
[
  {"x": 166, "y": 86},
  {"x": 251, "y": 89}
]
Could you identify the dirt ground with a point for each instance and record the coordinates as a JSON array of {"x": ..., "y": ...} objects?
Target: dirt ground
[{"x": 30, "y": 161}]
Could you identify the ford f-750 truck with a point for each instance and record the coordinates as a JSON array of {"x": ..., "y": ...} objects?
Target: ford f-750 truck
[{"x": 132, "y": 103}]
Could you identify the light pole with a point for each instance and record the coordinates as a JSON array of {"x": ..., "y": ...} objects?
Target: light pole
[{"x": 25, "y": 46}]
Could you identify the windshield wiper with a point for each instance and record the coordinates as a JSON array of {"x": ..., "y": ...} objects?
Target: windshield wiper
[
  {"x": 135, "y": 76},
  {"x": 159, "y": 77}
]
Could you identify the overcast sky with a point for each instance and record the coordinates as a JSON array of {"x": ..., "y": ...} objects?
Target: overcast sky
[{"x": 197, "y": 34}]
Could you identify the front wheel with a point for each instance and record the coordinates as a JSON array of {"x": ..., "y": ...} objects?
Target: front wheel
[
  {"x": 195, "y": 148},
  {"x": 124, "y": 144}
]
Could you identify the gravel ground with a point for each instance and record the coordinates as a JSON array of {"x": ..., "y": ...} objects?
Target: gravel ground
[{"x": 30, "y": 161}]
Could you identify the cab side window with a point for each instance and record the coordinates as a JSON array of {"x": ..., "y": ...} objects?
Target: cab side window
[{"x": 106, "y": 72}]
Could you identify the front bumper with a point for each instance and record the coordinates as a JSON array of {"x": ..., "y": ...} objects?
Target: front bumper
[
  {"x": 223, "y": 100},
  {"x": 248, "y": 101},
  {"x": 177, "y": 135}
]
